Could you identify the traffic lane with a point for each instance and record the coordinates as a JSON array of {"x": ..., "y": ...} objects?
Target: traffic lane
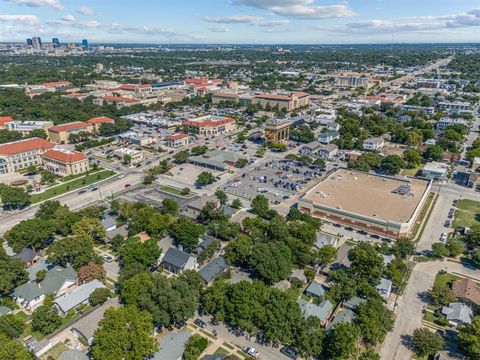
[{"x": 266, "y": 352}]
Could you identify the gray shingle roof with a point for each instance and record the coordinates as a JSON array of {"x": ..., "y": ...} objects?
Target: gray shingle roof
[
  {"x": 4, "y": 310},
  {"x": 172, "y": 346},
  {"x": 353, "y": 303},
  {"x": 176, "y": 258},
  {"x": 73, "y": 355},
  {"x": 213, "y": 269},
  {"x": 26, "y": 255},
  {"x": 458, "y": 312},
  {"x": 316, "y": 289},
  {"x": 342, "y": 316},
  {"x": 77, "y": 296},
  {"x": 320, "y": 311}
]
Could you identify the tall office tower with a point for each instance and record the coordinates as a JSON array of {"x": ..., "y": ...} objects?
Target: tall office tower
[
  {"x": 85, "y": 44},
  {"x": 56, "y": 42},
  {"x": 29, "y": 42},
  {"x": 37, "y": 43}
]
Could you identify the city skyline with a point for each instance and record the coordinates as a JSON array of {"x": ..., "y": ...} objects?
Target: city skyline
[{"x": 241, "y": 21}]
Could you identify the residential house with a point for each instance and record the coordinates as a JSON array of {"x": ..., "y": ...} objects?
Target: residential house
[
  {"x": 445, "y": 122},
  {"x": 353, "y": 303},
  {"x": 316, "y": 290},
  {"x": 404, "y": 118},
  {"x": 467, "y": 291},
  {"x": 374, "y": 143},
  {"x": 57, "y": 282},
  {"x": 79, "y": 295},
  {"x": 28, "y": 256},
  {"x": 195, "y": 206},
  {"x": 458, "y": 313},
  {"x": 40, "y": 265},
  {"x": 344, "y": 315},
  {"x": 122, "y": 231},
  {"x": 73, "y": 354},
  {"x": 435, "y": 170},
  {"x": 109, "y": 223},
  {"x": 328, "y": 137},
  {"x": 213, "y": 269},
  {"x": 328, "y": 151},
  {"x": 310, "y": 148},
  {"x": 333, "y": 126},
  {"x": 172, "y": 346},
  {"x": 298, "y": 275},
  {"x": 176, "y": 261},
  {"x": 384, "y": 288},
  {"x": 321, "y": 311}
]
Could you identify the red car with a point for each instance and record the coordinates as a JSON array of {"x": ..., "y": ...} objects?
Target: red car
[{"x": 127, "y": 185}]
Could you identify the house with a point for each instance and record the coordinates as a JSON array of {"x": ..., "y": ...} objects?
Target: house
[
  {"x": 86, "y": 326},
  {"x": 328, "y": 151},
  {"x": 384, "y": 288},
  {"x": 298, "y": 275},
  {"x": 213, "y": 269},
  {"x": 172, "y": 346},
  {"x": 343, "y": 315},
  {"x": 122, "y": 231},
  {"x": 28, "y": 256},
  {"x": 310, "y": 148},
  {"x": 177, "y": 261},
  {"x": 467, "y": 291},
  {"x": 333, "y": 126},
  {"x": 404, "y": 118},
  {"x": 38, "y": 348},
  {"x": 195, "y": 206},
  {"x": 73, "y": 354},
  {"x": 207, "y": 240},
  {"x": 325, "y": 239},
  {"x": 435, "y": 170},
  {"x": 316, "y": 290},
  {"x": 458, "y": 313},
  {"x": 328, "y": 137},
  {"x": 321, "y": 311},
  {"x": 57, "y": 282},
  {"x": 374, "y": 143},
  {"x": 77, "y": 296},
  {"x": 444, "y": 123},
  {"x": 109, "y": 223},
  {"x": 353, "y": 303},
  {"x": 40, "y": 265}
]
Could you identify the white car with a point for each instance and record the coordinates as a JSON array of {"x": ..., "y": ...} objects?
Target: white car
[
  {"x": 443, "y": 237},
  {"x": 251, "y": 351}
]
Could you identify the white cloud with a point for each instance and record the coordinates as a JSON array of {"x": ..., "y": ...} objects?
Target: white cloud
[
  {"x": 85, "y": 10},
  {"x": 65, "y": 20},
  {"x": 300, "y": 9},
  {"x": 20, "y": 19},
  {"x": 246, "y": 19},
  {"x": 54, "y": 4},
  {"x": 219, "y": 29}
]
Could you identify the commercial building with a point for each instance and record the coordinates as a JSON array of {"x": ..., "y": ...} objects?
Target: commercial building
[
  {"x": 286, "y": 102},
  {"x": 177, "y": 140},
  {"x": 63, "y": 162},
  {"x": 435, "y": 170},
  {"x": 353, "y": 81},
  {"x": 210, "y": 125},
  {"x": 20, "y": 154},
  {"x": 277, "y": 131},
  {"x": 60, "y": 133},
  {"x": 379, "y": 205},
  {"x": 26, "y": 127},
  {"x": 216, "y": 159},
  {"x": 136, "y": 156}
]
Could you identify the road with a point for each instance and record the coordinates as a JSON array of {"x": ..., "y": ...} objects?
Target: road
[{"x": 409, "y": 314}]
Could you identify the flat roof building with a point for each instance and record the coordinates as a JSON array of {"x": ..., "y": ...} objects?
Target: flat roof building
[{"x": 379, "y": 205}]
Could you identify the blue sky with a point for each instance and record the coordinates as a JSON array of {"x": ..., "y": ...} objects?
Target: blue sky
[{"x": 242, "y": 21}]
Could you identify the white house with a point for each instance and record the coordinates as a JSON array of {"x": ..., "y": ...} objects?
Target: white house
[
  {"x": 328, "y": 137},
  {"x": 373, "y": 144}
]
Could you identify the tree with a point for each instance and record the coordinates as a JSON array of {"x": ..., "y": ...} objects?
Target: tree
[
  {"x": 403, "y": 247},
  {"x": 369, "y": 354},
  {"x": 366, "y": 263},
  {"x": 124, "y": 333},
  {"x": 309, "y": 337},
  {"x": 469, "y": 338},
  {"x": 325, "y": 255},
  {"x": 439, "y": 250},
  {"x": 221, "y": 196},
  {"x": 433, "y": 153},
  {"x": 412, "y": 157},
  {"x": 45, "y": 319},
  {"x": 392, "y": 164},
  {"x": 89, "y": 227},
  {"x": 137, "y": 253},
  {"x": 75, "y": 251},
  {"x": 48, "y": 210},
  {"x": 342, "y": 285},
  {"x": 205, "y": 178},
  {"x": 473, "y": 237},
  {"x": 454, "y": 247},
  {"x": 210, "y": 212},
  {"x": 441, "y": 295},
  {"x": 427, "y": 343},
  {"x": 186, "y": 232},
  {"x": 260, "y": 206},
  {"x": 199, "y": 150},
  {"x": 169, "y": 206},
  {"x": 12, "y": 273},
  {"x": 99, "y": 296},
  {"x": 194, "y": 347},
  {"x": 374, "y": 321},
  {"x": 91, "y": 271},
  {"x": 181, "y": 156},
  {"x": 14, "y": 198},
  {"x": 238, "y": 251},
  {"x": 32, "y": 233},
  {"x": 40, "y": 276},
  {"x": 271, "y": 261},
  {"x": 127, "y": 159},
  {"x": 13, "y": 350},
  {"x": 241, "y": 163},
  {"x": 341, "y": 341},
  {"x": 12, "y": 326}
]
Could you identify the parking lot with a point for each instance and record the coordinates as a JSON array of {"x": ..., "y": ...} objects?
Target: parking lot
[{"x": 277, "y": 180}]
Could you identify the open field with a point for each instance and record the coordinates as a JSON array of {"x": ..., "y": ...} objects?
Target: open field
[{"x": 467, "y": 214}]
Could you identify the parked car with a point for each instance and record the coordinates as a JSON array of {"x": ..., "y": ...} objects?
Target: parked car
[
  {"x": 94, "y": 189},
  {"x": 251, "y": 351},
  {"x": 443, "y": 237},
  {"x": 200, "y": 323},
  {"x": 107, "y": 258},
  {"x": 289, "y": 352},
  {"x": 83, "y": 191},
  {"x": 127, "y": 185}
]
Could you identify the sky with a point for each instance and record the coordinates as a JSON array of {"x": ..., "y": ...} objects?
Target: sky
[{"x": 242, "y": 21}]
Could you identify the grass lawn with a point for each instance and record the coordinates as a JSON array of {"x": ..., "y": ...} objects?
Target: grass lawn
[
  {"x": 72, "y": 177},
  {"x": 228, "y": 346},
  {"x": 221, "y": 351},
  {"x": 423, "y": 217},
  {"x": 445, "y": 278},
  {"x": 73, "y": 185},
  {"x": 412, "y": 172},
  {"x": 55, "y": 352},
  {"x": 467, "y": 213},
  {"x": 175, "y": 191}
]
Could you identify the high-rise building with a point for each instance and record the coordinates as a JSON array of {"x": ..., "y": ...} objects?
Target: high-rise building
[
  {"x": 99, "y": 68},
  {"x": 85, "y": 44},
  {"x": 56, "y": 42},
  {"x": 37, "y": 43},
  {"x": 29, "y": 42}
]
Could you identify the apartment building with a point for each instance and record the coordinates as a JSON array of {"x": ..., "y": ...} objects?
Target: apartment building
[
  {"x": 60, "y": 133},
  {"x": 63, "y": 162},
  {"x": 210, "y": 125},
  {"x": 20, "y": 154}
]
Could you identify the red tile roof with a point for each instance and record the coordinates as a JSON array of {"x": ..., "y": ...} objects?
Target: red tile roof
[
  {"x": 176, "y": 137},
  {"x": 300, "y": 94},
  {"x": 208, "y": 122},
  {"x": 65, "y": 157},
  {"x": 196, "y": 81},
  {"x": 274, "y": 96},
  {"x": 25, "y": 145},
  {"x": 119, "y": 99},
  {"x": 100, "y": 120},
  {"x": 5, "y": 119},
  {"x": 68, "y": 127},
  {"x": 57, "y": 83}
]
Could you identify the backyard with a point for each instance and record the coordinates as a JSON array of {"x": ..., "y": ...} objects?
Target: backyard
[{"x": 467, "y": 213}]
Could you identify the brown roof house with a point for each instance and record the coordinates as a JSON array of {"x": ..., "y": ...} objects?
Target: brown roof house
[{"x": 467, "y": 291}]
